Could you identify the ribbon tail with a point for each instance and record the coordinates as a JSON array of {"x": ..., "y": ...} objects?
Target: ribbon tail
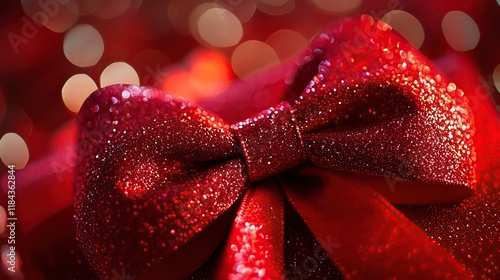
[
  {"x": 254, "y": 249},
  {"x": 373, "y": 240}
]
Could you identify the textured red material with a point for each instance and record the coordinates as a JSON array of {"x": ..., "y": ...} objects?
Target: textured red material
[
  {"x": 271, "y": 142},
  {"x": 155, "y": 172},
  {"x": 255, "y": 243}
]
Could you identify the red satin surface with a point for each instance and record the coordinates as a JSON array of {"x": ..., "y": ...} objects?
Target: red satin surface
[
  {"x": 155, "y": 172},
  {"x": 255, "y": 244},
  {"x": 355, "y": 214}
]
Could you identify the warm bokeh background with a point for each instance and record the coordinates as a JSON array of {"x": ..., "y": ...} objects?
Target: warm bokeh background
[{"x": 54, "y": 53}]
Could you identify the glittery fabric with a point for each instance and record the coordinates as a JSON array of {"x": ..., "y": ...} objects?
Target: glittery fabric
[
  {"x": 155, "y": 172},
  {"x": 365, "y": 241},
  {"x": 470, "y": 230},
  {"x": 305, "y": 255},
  {"x": 146, "y": 184},
  {"x": 254, "y": 248},
  {"x": 389, "y": 112},
  {"x": 271, "y": 142}
]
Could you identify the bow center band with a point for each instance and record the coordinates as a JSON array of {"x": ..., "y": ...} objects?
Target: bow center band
[{"x": 270, "y": 142}]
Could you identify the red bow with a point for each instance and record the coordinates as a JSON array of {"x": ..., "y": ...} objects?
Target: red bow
[{"x": 159, "y": 179}]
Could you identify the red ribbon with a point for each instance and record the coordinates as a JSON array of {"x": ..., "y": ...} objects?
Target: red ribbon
[{"x": 159, "y": 179}]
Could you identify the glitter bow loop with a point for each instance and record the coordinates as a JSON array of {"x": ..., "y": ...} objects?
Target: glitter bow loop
[
  {"x": 413, "y": 127},
  {"x": 158, "y": 176},
  {"x": 160, "y": 169},
  {"x": 270, "y": 142},
  {"x": 372, "y": 104}
]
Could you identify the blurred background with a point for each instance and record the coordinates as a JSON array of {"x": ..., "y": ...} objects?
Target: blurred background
[{"x": 54, "y": 53}]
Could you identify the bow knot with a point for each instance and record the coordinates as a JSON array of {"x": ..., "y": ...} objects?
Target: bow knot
[
  {"x": 270, "y": 142},
  {"x": 159, "y": 178}
]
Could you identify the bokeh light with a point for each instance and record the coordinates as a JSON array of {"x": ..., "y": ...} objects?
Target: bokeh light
[
  {"x": 179, "y": 14},
  {"x": 57, "y": 16},
  {"x": 83, "y": 45},
  {"x": 275, "y": 7},
  {"x": 287, "y": 43},
  {"x": 496, "y": 77},
  {"x": 217, "y": 27},
  {"x": 88, "y": 7},
  {"x": 119, "y": 73},
  {"x": 205, "y": 74},
  {"x": 243, "y": 9},
  {"x": 3, "y": 220},
  {"x": 109, "y": 9},
  {"x": 4, "y": 250},
  {"x": 407, "y": 25},
  {"x": 13, "y": 150},
  {"x": 179, "y": 83},
  {"x": 23, "y": 122},
  {"x": 76, "y": 90},
  {"x": 337, "y": 6},
  {"x": 460, "y": 31},
  {"x": 251, "y": 56},
  {"x": 210, "y": 68}
]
